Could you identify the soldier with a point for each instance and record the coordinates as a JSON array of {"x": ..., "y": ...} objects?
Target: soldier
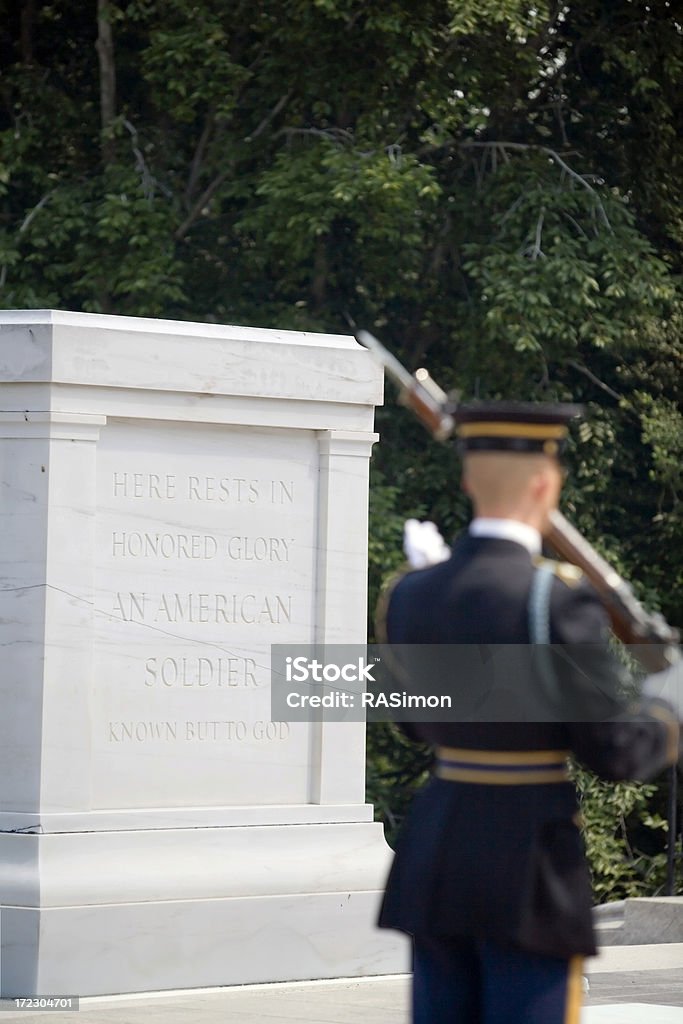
[{"x": 489, "y": 876}]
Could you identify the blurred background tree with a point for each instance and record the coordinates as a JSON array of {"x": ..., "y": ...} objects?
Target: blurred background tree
[{"x": 494, "y": 187}]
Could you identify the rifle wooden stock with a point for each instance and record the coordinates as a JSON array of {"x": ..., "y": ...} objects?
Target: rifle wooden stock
[
  {"x": 654, "y": 641},
  {"x": 428, "y": 410}
]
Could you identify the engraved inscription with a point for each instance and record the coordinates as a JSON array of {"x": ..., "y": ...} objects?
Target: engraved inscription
[
  {"x": 210, "y": 488},
  {"x": 200, "y": 566},
  {"x": 249, "y": 609},
  {"x": 226, "y": 489},
  {"x": 144, "y": 485},
  {"x": 133, "y": 544},
  {"x": 220, "y": 730},
  {"x": 200, "y": 671},
  {"x": 258, "y": 549},
  {"x": 163, "y": 545},
  {"x": 206, "y": 553}
]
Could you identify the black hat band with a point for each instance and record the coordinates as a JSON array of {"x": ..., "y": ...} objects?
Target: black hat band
[{"x": 525, "y": 445}]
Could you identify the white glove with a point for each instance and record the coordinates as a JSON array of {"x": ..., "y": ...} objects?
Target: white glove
[
  {"x": 423, "y": 544},
  {"x": 667, "y": 685}
]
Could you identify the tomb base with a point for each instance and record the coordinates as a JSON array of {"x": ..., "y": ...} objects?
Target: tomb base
[{"x": 94, "y": 913}]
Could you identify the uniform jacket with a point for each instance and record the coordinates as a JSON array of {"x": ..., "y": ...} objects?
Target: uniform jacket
[{"x": 506, "y": 862}]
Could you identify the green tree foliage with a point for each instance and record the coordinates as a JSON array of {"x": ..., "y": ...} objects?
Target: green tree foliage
[
  {"x": 621, "y": 832},
  {"x": 493, "y": 186}
]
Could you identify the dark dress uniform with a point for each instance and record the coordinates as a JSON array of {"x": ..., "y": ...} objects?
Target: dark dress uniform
[{"x": 489, "y": 874}]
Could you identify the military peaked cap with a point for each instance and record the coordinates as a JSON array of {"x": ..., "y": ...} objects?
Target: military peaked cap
[{"x": 526, "y": 427}]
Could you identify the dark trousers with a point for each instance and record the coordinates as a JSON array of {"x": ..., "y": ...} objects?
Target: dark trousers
[{"x": 477, "y": 982}]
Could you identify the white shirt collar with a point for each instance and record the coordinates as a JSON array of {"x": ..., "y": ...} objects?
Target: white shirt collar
[{"x": 507, "y": 529}]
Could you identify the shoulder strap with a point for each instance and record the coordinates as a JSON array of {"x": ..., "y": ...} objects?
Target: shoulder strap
[
  {"x": 539, "y": 626},
  {"x": 539, "y": 603}
]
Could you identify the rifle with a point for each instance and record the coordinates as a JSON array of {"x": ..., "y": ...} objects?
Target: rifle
[{"x": 655, "y": 643}]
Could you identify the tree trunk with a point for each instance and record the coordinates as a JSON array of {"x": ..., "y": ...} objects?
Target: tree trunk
[
  {"x": 320, "y": 273},
  {"x": 105, "y": 52},
  {"x": 28, "y": 17}
]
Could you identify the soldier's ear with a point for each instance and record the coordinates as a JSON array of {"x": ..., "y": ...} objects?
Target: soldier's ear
[
  {"x": 547, "y": 484},
  {"x": 540, "y": 484}
]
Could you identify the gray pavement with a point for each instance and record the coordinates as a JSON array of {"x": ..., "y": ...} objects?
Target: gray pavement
[
  {"x": 628, "y": 985},
  {"x": 638, "y": 987}
]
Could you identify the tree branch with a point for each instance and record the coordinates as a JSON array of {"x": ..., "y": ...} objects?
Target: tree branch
[
  {"x": 333, "y": 134},
  {"x": 31, "y": 213},
  {"x": 198, "y": 157},
  {"x": 511, "y": 209},
  {"x": 596, "y": 380},
  {"x": 537, "y": 251},
  {"x": 555, "y": 156},
  {"x": 575, "y": 223},
  {"x": 148, "y": 180},
  {"x": 22, "y": 227},
  {"x": 560, "y": 120},
  {"x": 199, "y": 153},
  {"x": 280, "y": 105},
  {"x": 201, "y": 203}
]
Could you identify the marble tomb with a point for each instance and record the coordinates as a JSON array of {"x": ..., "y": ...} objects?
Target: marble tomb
[{"x": 175, "y": 497}]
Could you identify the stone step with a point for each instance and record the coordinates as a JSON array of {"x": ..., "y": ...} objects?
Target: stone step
[{"x": 643, "y": 921}]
